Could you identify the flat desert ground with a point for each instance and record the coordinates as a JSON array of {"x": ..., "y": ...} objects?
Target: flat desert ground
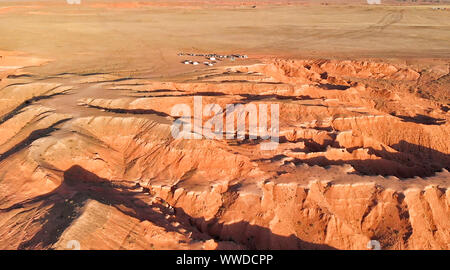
[{"x": 87, "y": 153}]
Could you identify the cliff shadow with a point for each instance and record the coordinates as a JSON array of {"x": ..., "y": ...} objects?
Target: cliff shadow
[
  {"x": 66, "y": 204},
  {"x": 410, "y": 161}
]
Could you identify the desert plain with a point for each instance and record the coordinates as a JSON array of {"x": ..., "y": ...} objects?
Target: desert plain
[{"x": 87, "y": 154}]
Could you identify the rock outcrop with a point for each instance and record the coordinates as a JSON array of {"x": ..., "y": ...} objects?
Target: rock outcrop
[{"x": 362, "y": 156}]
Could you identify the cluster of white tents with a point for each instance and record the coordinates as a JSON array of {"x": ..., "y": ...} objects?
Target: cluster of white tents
[
  {"x": 190, "y": 62},
  {"x": 212, "y": 57}
]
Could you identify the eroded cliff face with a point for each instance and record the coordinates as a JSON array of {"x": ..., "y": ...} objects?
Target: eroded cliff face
[{"x": 363, "y": 155}]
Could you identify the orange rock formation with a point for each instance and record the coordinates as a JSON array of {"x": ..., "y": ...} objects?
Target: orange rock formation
[{"x": 364, "y": 154}]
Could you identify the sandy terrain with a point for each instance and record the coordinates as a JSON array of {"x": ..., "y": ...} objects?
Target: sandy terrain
[{"x": 87, "y": 154}]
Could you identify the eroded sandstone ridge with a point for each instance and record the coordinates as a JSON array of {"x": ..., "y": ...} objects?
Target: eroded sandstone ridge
[{"x": 364, "y": 154}]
